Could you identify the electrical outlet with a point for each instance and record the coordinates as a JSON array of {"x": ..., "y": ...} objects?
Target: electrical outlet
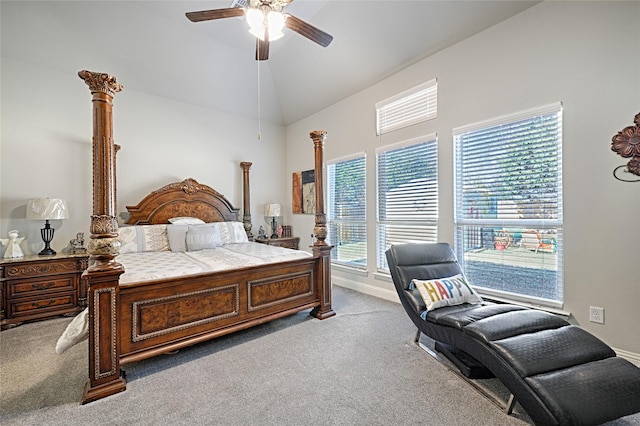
[{"x": 596, "y": 314}]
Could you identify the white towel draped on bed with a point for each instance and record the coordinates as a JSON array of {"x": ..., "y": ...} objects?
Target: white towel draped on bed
[{"x": 148, "y": 266}]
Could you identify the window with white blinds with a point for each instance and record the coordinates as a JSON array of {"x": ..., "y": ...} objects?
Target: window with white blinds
[
  {"x": 407, "y": 189},
  {"x": 508, "y": 198},
  {"x": 346, "y": 212},
  {"x": 409, "y": 107}
]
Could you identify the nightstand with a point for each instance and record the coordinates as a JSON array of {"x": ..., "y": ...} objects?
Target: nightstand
[
  {"x": 39, "y": 287},
  {"x": 288, "y": 242}
]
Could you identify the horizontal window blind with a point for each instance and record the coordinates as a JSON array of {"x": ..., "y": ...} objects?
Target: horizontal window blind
[
  {"x": 409, "y": 107},
  {"x": 346, "y": 181},
  {"x": 407, "y": 194},
  {"x": 508, "y": 183}
]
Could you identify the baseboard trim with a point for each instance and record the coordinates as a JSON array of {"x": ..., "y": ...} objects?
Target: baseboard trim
[
  {"x": 392, "y": 296},
  {"x": 382, "y": 293},
  {"x": 632, "y": 357}
]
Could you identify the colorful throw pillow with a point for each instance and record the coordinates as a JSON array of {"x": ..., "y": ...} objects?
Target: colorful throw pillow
[{"x": 448, "y": 291}]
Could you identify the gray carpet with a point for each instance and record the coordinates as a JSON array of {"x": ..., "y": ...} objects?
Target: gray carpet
[{"x": 360, "y": 367}]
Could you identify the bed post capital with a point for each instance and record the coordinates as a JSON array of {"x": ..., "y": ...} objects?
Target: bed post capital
[{"x": 101, "y": 82}]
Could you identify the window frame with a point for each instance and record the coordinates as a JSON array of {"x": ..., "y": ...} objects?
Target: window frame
[
  {"x": 548, "y": 224},
  {"x": 432, "y": 138},
  {"x": 331, "y": 204},
  {"x": 412, "y": 106}
]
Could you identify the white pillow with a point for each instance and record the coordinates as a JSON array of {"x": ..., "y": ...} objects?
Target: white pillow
[
  {"x": 200, "y": 237},
  {"x": 449, "y": 291},
  {"x": 143, "y": 238},
  {"x": 177, "y": 235},
  {"x": 231, "y": 232},
  {"x": 185, "y": 220},
  {"x": 128, "y": 236}
]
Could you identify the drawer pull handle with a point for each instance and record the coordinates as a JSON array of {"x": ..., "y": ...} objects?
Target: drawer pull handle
[
  {"x": 43, "y": 304},
  {"x": 43, "y": 286}
]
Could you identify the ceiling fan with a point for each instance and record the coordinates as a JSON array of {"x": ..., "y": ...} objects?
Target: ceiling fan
[{"x": 266, "y": 21}]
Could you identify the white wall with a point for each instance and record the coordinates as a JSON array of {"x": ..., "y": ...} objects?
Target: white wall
[
  {"x": 580, "y": 53},
  {"x": 46, "y": 150}
]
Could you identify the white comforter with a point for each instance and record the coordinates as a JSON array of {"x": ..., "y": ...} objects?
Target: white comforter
[{"x": 147, "y": 266}]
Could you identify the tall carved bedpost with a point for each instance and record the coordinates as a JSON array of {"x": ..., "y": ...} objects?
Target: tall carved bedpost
[
  {"x": 320, "y": 247},
  {"x": 246, "y": 208},
  {"x": 105, "y": 376}
]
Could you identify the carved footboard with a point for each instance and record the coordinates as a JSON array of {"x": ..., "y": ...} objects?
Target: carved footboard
[
  {"x": 210, "y": 306},
  {"x": 135, "y": 321}
]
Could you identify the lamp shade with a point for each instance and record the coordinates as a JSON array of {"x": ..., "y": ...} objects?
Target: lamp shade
[
  {"x": 47, "y": 209},
  {"x": 272, "y": 210}
]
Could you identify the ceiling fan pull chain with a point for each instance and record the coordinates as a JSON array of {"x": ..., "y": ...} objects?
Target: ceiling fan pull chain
[{"x": 259, "y": 109}]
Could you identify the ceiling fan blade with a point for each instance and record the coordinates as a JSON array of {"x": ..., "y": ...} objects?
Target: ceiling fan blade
[
  {"x": 307, "y": 30},
  {"x": 262, "y": 49},
  {"x": 208, "y": 15}
]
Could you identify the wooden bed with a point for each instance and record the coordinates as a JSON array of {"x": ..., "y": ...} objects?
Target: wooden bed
[{"x": 134, "y": 321}]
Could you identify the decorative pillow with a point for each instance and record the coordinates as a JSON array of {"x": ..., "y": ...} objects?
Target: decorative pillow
[
  {"x": 200, "y": 237},
  {"x": 143, "y": 238},
  {"x": 231, "y": 232},
  {"x": 128, "y": 236},
  {"x": 177, "y": 235},
  {"x": 184, "y": 220},
  {"x": 449, "y": 291},
  {"x": 154, "y": 237}
]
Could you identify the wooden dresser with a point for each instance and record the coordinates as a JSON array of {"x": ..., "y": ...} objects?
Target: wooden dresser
[
  {"x": 288, "y": 242},
  {"x": 38, "y": 287}
]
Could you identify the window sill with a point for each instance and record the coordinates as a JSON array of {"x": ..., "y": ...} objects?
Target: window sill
[
  {"x": 350, "y": 269},
  {"x": 491, "y": 297}
]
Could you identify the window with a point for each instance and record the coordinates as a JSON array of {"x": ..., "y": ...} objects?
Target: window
[
  {"x": 407, "y": 177},
  {"x": 347, "y": 211},
  {"x": 409, "y": 107},
  {"x": 508, "y": 214}
]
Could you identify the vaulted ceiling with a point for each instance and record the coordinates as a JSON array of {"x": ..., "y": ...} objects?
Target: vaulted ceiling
[{"x": 151, "y": 47}]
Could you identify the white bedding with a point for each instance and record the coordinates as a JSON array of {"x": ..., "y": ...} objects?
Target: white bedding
[
  {"x": 148, "y": 265},
  {"x": 145, "y": 266}
]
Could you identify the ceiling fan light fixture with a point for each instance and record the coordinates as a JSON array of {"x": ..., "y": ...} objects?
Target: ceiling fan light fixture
[
  {"x": 275, "y": 21},
  {"x": 255, "y": 19},
  {"x": 270, "y": 20}
]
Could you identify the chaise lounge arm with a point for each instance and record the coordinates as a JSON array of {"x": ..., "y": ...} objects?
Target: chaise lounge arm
[{"x": 559, "y": 373}]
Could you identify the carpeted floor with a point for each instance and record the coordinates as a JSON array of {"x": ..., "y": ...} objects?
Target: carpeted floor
[{"x": 360, "y": 367}]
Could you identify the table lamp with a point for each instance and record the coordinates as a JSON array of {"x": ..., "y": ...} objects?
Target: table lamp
[
  {"x": 47, "y": 209},
  {"x": 272, "y": 210}
]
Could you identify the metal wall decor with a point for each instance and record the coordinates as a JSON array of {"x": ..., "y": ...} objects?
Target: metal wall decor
[{"x": 627, "y": 144}]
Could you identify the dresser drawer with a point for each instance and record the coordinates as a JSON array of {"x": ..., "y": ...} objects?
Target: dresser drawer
[
  {"x": 63, "y": 302},
  {"x": 24, "y": 288},
  {"x": 286, "y": 244},
  {"x": 39, "y": 269}
]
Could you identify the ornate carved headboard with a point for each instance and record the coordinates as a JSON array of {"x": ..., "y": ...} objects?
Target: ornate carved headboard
[{"x": 186, "y": 198}]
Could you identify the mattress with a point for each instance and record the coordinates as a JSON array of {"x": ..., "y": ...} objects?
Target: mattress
[{"x": 149, "y": 266}]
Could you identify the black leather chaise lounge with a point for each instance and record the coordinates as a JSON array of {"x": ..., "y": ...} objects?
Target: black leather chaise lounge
[{"x": 559, "y": 373}]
